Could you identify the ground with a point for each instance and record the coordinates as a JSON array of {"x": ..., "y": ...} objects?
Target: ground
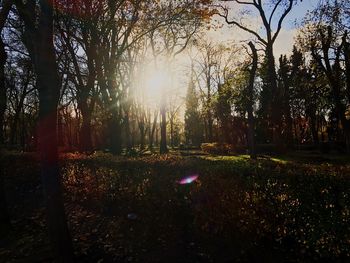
[{"x": 293, "y": 208}]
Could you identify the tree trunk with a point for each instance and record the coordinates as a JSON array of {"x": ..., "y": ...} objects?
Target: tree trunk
[
  {"x": 346, "y": 46},
  {"x": 172, "y": 132},
  {"x": 6, "y": 6},
  {"x": 127, "y": 131},
  {"x": 276, "y": 106},
  {"x": 49, "y": 89},
  {"x": 163, "y": 144},
  {"x": 142, "y": 139},
  {"x": 314, "y": 130},
  {"x": 85, "y": 134},
  {"x": 288, "y": 118},
  {"x": 251, "y": 125},
  {"x": 85, "y": 141},
  {"x": 115, "y": 129},
  {"x": 3, "y": 95},
  {"x": 4, "y": 216},
  {"x": 152, "y": 130}
]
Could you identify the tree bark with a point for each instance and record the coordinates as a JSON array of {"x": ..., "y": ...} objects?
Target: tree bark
[
  {"x": 85, "y": 131},
  {"x": 16, "y": 118},
  {"x": 42, "y": 51},
  {"x": 3, "y": 95},
  {"x": 115, "y": 130},
  {"x": 127, "y": 130},
  {"x": 152, "y": 130},
  {"x": 6, "y": 6},
  {"x": 163, "y": 144},
  {"x": 276, "y": 106},
  {"x": 208, "y": 111},
  {"x": 4, "y": 215}
]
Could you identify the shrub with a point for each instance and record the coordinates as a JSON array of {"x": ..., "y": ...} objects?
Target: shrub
[{"x": 218, "y": 148}]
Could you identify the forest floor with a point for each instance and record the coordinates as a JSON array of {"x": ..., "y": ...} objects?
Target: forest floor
[{"x": 294, "y": 208}]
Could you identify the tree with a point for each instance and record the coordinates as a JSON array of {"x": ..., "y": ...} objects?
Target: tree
[
  {"x": 272, "y": 26},
  {"x": 284, "y": 86},
  {"x": 208, "y": 61},
  {"x": 324, "y": 36},
  {"x": 223, "y": 110},
  {"x": 172, "y": 38},
  {"x": 251, "y": 125},
  {"x": 6, "y": 6},
  {"x": 193, "y": 127},
  {"x": 4, "y": 217},
  {"x": 77, "y": 33},
  {"x": 38, "y": 38}
]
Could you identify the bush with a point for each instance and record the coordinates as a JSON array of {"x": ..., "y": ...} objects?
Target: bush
[{"x": 218, "y": 148}]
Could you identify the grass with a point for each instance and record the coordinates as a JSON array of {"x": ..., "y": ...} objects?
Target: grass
[{"x": 131, "y": 209}]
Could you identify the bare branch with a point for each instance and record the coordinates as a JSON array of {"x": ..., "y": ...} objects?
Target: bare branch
[
  {"x": 233, "y": 22},
  {"x": 281, "y": 20}
]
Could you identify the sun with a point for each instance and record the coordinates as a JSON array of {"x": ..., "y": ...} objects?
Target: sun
[{"x": 157, "y": 81}]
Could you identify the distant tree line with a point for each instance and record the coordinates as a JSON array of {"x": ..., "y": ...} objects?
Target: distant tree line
[{"x": 306, "y": 102}]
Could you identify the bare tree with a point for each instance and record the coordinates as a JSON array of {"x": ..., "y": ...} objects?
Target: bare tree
[
  {"x": 272, "y": 16},
  {"x": 38, "y": 38}
]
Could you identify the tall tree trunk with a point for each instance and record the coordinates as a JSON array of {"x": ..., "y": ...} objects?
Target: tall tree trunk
[
  {"x": 288, "y": 118},
  {"x": 142, "y": 129},
  {"x": 314, "y": 131},
  {"x": 127, "y": 131},
  {"x": 4, "y": 216},
  {"x": 209, "y": 114},
  {"x": 172, "y": 131},
  {"x": 346, "y": 48},
  {"x": 276, "y": 116},
  {"x": 16, "y": 117},
  {"x": 163, "y": 144},
  {"x": 152, "y": 130},
  {"x": 142, "y": 138},
  {"x": 40, "y": 44},
  {"x": 85, "y": 132},
  {"x": 251, "y": 125},
  {"x": 3, "y": 95},
  {"x": 6, "y": 6},
  {"x": 115, "y": 130}
]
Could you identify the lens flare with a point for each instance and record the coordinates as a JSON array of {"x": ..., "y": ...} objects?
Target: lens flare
[{"x": 189, "y": 179}]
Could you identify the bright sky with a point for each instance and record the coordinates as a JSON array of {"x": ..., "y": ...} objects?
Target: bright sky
[{"x": 285, "y": 40}]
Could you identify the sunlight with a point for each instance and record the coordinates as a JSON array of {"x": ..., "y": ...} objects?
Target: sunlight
[{"x": 156, "y": 82}]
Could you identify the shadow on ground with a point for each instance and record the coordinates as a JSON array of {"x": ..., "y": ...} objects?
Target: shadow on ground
[{"x": 133, "y": 209}]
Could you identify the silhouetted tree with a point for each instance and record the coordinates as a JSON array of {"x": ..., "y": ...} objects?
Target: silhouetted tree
[
  {"x": 193, "y": 123},
  {"x": 38, "y": 38}
]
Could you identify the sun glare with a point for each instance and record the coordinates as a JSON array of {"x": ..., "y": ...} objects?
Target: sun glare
[{"x": 156, "y": 82}]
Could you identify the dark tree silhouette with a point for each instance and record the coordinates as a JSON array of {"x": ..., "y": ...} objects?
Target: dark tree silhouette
[
  {"x": 4, "y": 216},
  {"x": 268, "y": 40},
  {"x": 38, "y": 22}
]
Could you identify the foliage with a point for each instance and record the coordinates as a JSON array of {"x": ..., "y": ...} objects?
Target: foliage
[
  {"x": 193, "y": 123},
  {"x": 292, "y": 208},
  {"x": 218, "y": 148}
]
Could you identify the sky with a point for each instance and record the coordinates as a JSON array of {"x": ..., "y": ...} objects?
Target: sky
[{"x": 285, "y": 40}]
